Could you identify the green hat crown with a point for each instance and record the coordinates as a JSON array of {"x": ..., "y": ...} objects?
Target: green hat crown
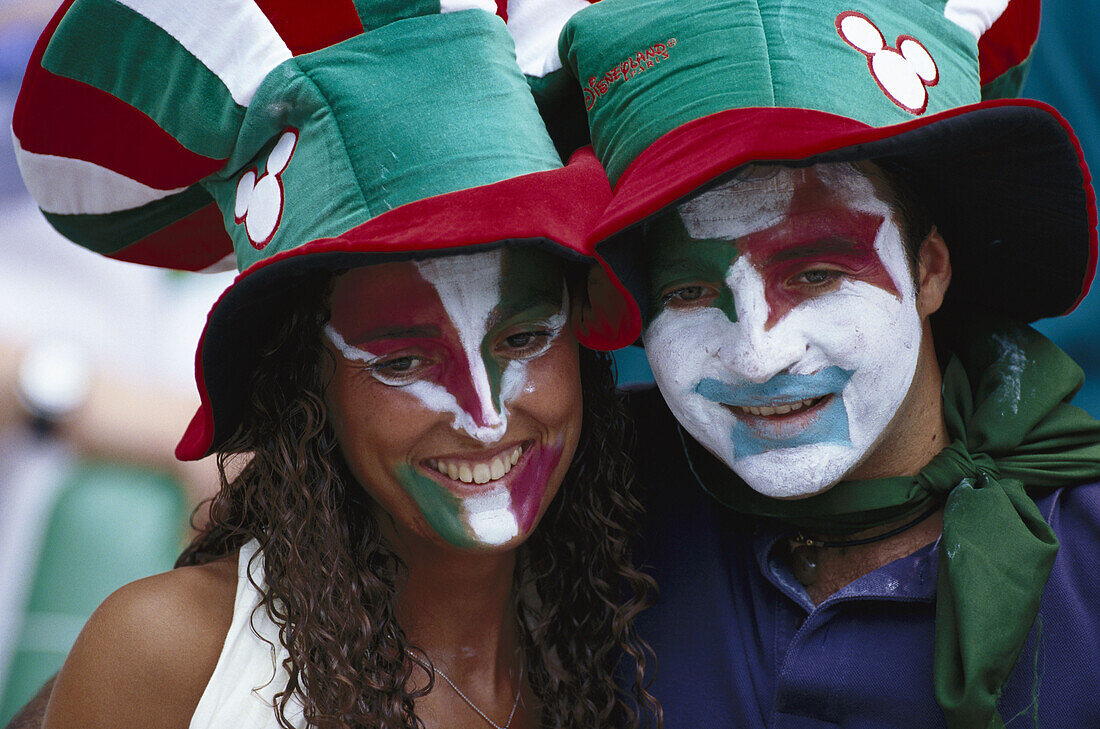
[
  {"x": 177, "y": 138},
  {"x": 348, "y": 146},
  {"x": 649, "y": 66}
]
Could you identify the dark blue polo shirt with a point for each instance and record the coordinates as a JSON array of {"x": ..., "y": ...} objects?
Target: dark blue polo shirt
[{"x": 740, "y": 644}]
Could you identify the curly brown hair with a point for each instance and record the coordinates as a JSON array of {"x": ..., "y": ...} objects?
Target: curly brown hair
[{"x": 331, "y": 581}]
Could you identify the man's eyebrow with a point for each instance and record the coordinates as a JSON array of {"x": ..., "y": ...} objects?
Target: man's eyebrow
[
  {"x": 824, "y": 246},
  {"x": 675, "y": 265},
  {"x": 397, "y": 332}
]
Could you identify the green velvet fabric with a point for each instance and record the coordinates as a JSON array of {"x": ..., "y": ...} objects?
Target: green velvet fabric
[
  {"x": 414, "y": 108},
  {"x": 647, "y": 67}
]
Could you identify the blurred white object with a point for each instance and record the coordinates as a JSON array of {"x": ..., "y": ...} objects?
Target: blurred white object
[
  {"x": 55, "y": 377},
  {"x": 35, "y": 466},
  {"x": 139, "y": 322}
]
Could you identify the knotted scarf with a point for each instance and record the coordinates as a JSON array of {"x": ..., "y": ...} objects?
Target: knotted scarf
[{"x": 1006, "y": 393}]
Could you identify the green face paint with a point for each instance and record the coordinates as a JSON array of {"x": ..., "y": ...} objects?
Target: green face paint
[
  {"x": 442, "y": 509},
  {"x": 529, "y": 301},
  {"x": 531, "y": 289},
  {"x": 677, "y": 258}
]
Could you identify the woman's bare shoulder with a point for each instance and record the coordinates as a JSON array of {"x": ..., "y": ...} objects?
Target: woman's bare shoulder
[{"x": 146, "y": 654}]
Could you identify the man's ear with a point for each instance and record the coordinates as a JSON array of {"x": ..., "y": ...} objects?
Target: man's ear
[{"x": 933, "y": 273}]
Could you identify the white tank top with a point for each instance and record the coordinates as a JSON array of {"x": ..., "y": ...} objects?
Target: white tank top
[{"x": 240, "y": 693}]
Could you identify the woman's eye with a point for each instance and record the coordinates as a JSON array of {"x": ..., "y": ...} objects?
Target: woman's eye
[
  {"x": 399, "y": 371},
  {"x": 525, "y": 344},
  {"x": 518, "y": 341}
]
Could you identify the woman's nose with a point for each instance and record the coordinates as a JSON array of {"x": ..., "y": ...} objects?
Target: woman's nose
[{"x": 478, "y": 395}]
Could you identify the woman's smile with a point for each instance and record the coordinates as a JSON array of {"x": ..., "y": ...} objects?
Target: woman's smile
[
  {"x": 478, "y": 468},
  {"x": 456, "y": 393}
]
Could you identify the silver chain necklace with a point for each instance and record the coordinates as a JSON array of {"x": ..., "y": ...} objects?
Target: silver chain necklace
[{"x": 474, "y": 706}]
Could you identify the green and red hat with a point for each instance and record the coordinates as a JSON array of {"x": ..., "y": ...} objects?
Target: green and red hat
[
  {"x": 681, "y": 96},
  {"x": 288, "y": 139}
]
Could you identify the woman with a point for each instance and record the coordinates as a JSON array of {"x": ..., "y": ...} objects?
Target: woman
[
  {"x": 396, "y": 366},
  {"x": 377, "y": 568}
]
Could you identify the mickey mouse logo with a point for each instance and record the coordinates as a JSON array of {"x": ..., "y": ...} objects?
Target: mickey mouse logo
[
  {"x": 259, "y": 202},
  {"x": 903, "y": 72}
]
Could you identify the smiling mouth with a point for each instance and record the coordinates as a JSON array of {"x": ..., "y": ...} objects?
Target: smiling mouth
[
  {"x": 478, "y": 472},
  {"x": 779, "y": 410}
]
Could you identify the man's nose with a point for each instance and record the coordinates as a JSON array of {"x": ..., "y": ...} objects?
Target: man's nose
[{"x": 753, "y": 351}]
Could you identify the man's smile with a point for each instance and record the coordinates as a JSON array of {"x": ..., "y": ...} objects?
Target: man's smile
[
  {"x": 784, "y": 412},
  {"x": 777, "y": 409},
  {"x": 793, "y": 392}
]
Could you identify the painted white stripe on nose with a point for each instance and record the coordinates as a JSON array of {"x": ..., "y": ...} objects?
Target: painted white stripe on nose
[
  {"x": 469, "y": 288},
  {"x": 752, "y": 351}
]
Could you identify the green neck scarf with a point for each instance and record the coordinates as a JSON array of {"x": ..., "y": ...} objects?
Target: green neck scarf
[{"x": 1006, "y": 393}]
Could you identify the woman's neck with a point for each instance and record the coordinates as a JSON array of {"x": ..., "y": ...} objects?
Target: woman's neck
[{"x": 459, "y": 609}]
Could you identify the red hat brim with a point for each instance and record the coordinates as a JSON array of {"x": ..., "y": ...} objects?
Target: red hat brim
[
  {"x": 1005, "y": 182},
  {"x": 553, "y": 210}
]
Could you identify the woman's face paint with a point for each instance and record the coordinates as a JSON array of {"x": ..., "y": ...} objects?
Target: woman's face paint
[
  {"x": 783, "y": 329},
  {"x": 456, "y": 391}
]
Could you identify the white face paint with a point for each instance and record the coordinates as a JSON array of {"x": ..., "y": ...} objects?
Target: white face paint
[
  {"x": 469, "y": 308},
  {"x": 461, "y": 336},
  {"x": 476, "y": 391},
  {"x": 490, "y": 517},
  {"x": 784, "y": 332}
]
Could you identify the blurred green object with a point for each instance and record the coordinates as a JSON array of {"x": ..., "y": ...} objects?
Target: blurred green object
[{"x": 111, "y": 525}]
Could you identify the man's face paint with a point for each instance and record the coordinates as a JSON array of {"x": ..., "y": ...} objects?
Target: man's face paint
[
  {"x": 783, "y": 329},
  {"x": 449, "y": 382}
]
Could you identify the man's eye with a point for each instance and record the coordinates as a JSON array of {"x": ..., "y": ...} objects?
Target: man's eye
[
  {"x": 686, "y": 296},
  {"x": 525, "y": 344},
  {"x": 817, "y": 277},
  {"x": 399, "y": 371}
]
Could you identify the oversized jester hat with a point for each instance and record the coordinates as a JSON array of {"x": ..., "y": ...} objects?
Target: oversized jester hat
[
  {"x": 288, "y": 138},
  {"x": 679, "y": 97}
]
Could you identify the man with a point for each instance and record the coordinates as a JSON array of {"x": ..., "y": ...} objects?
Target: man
[{"x": 833, "y": 244}]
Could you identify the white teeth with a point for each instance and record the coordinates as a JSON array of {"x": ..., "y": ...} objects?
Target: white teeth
[
  {"x": 478, "y": 472},
  {"x": 787, "y": 407}
]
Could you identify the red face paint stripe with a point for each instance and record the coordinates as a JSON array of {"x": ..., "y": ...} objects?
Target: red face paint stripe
[
  {"x": 193, "y": 243},
  {"x": 307, "y": 27},
  {"x": 363, "y": 302},
  {"x": 67, "y": 118},
  {"x": 814, "y": 219}
]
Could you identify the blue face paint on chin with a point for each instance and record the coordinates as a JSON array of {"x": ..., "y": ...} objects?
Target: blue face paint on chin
[{"x": 823, "y": 423}]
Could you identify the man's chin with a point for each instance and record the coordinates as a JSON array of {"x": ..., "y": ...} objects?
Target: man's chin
[{"x": 798, "y": 472}]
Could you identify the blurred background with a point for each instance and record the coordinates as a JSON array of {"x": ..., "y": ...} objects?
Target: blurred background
[
  {"x": 97, "y": 381},
  {"x": 96, "y": 386}
]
